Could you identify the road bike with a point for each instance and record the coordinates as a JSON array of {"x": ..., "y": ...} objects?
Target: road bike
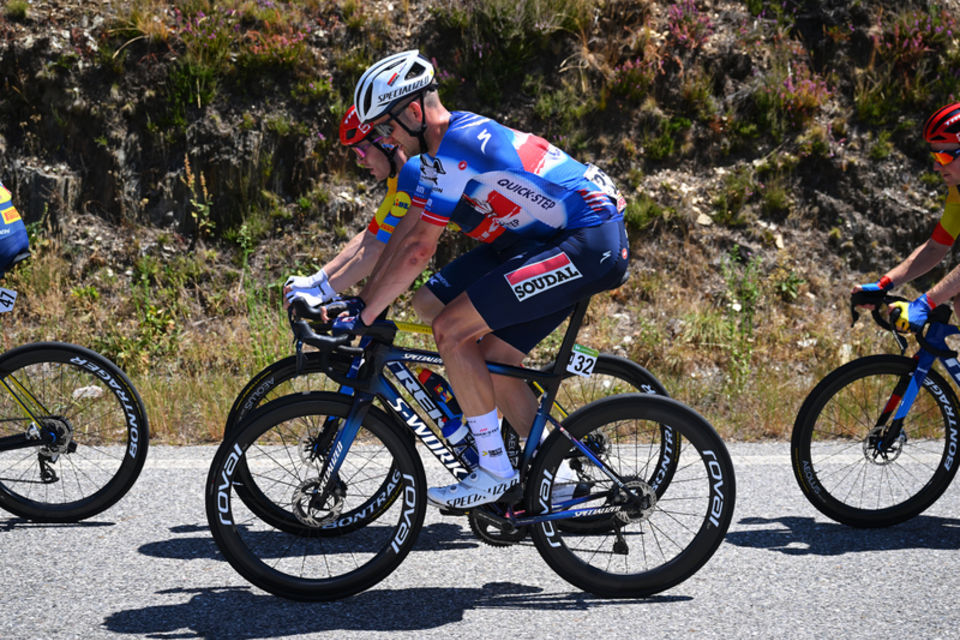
[
  {"x": 875, "y": 442},
  {"x": 653, "y": 496},
  {"x": 73, "y": 430},
  {"x": 608, "y": 375}
]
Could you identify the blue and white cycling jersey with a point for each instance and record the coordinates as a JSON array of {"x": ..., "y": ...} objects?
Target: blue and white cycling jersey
[{"x": 496, "y": 183}]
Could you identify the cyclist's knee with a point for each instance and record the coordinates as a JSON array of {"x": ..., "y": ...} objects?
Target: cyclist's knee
[
  {"x": 458, "y": 326},
  {"x": 426, "y": 305}
]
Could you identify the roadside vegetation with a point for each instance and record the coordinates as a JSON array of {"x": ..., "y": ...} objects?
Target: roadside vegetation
[{"x": 769, "y": 152}]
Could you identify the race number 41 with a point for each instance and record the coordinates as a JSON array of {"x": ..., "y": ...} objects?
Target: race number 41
[
  {"x": 582, "y": 360},
  {"x": 7, "y": 298}
]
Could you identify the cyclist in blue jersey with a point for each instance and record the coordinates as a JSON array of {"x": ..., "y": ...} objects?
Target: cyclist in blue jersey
[
  {"x": 14, "y": 244},
  {"x": 357, "y": 259},
  {"x": 551, "y": 232},
  {"x": 942, "y": 133}
]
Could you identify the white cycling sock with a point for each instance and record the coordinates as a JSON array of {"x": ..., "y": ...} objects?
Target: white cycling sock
[{"x": 486, "y": 434}]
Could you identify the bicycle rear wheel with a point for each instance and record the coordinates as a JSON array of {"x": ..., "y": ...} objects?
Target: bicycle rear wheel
[
  {"x": 846, "y": 464},
  {"x": 612, "y": 375},
  {"x": 308, "y": 563},
  {"x": 92, "y": 432},
  {"x": 665, "y": 537}
]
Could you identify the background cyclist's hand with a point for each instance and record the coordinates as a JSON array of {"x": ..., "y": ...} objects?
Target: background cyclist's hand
[
  {"x": 910, "y": 316},
  {"x": 313, "y": 296},
  {"x": 316, "y": 289},
  {"x": 305, "y": 282},
  {"x": 883, "y": 284}
]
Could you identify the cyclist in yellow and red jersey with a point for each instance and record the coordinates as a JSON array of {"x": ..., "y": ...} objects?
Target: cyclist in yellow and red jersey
[
  {"x": 356, "y": 260},
  {"x": 942, "y": 133},
  {"x": 14, "y": 245}
]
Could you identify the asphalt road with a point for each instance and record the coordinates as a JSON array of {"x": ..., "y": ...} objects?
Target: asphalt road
[{"x": 148, "y": 568}]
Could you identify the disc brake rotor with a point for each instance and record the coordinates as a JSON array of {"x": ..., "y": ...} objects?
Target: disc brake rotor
[
  {"x": 631, "y": 511},
  {"x": 876, "y": 452},
  {"x": 310, "y": 509}
]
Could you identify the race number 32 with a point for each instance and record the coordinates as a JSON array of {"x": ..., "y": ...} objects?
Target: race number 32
[{"x": 582, "y": 360}]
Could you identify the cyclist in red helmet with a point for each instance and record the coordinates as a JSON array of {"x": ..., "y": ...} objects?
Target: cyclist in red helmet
[
  {"x": 942, "y": 133},
  {"x": 356, "y": 260}
]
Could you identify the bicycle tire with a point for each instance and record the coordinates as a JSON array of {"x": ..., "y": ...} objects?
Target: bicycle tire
[
  {"x": 307, "y": 565},
  {"x": 91, "y": 402},
  {"x": 612, "y": 375},
  {"x": 677, "y": 532},
  {"x": 285, "y": 377},
  {"x": 835, "y": 464},
  {"x": 281, "y": 378}
]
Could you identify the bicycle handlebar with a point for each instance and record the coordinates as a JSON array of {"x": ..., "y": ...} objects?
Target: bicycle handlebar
[{"x": 941, "y": 314}]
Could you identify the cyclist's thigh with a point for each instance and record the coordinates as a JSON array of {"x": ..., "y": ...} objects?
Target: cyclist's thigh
[
  {"x": 453, "y": 279},
  {"x": 541, "y": 284}
]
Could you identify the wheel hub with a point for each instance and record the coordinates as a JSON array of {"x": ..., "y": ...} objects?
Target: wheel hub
[
  {"x": 879, "y": 453},
  {"x": 312, "y": 508},
  {"x": 635, "y": 510}
]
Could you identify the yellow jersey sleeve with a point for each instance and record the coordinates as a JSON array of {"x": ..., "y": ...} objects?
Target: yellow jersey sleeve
[
  {"x": 394, "y": 206},
  {"x": 948, "y": 228},
  {"x": 7, "y": 210}
]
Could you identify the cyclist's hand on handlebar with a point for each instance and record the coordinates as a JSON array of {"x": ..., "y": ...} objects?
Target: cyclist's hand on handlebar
[
  {"x": 348, "y": 318},
  {"x": 314, "y": 290},
  {"x": 911, "y": 316},
  {"x": 313, "y": 296},
  {"x": 883, "y": 284}
]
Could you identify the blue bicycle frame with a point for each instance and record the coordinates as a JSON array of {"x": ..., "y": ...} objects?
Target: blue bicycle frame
[{"x": 365, "y": 382}]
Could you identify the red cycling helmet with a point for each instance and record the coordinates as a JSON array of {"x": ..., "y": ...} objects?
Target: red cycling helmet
[
  {"x": 352, "y": 131},
  {"x": 943, "y": 125}
]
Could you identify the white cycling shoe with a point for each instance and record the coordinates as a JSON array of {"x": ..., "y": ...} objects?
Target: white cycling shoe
[{"x": 480, "y": 487}]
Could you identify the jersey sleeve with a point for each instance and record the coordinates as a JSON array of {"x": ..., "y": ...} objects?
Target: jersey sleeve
[
  {"x": 948, "y": 227},
  {"x": 379, "y": 221}
]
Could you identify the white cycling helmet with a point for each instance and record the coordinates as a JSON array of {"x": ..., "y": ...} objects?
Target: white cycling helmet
[{"x": 390, "y": 80}]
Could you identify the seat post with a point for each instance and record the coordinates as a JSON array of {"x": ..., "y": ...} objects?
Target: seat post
[{"x": 566, "y": 347}]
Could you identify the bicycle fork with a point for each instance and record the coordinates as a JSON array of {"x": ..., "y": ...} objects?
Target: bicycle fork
[
  {"x": 888, "y": 438},
  {"x": 325, "y": 490}
]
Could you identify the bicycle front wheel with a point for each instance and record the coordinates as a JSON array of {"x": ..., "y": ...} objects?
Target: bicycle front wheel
[
  {"x": 90, "y": 426},
  {"x": 848, "y": 462},
  {"x": 653, "y": 537},
  {"x": 307, "y": 563},
  {"x": 281, "y": 378}
]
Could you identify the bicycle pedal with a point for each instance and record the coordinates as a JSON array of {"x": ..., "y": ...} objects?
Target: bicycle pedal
[{"x": 449, "y": 511}]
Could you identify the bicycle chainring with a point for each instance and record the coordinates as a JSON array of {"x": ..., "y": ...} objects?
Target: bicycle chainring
[{"x": 493, "y": 535}]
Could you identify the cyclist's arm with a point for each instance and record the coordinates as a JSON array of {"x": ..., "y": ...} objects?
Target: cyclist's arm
[
  {"x": 947, "y": 288},
  {"x": 400, "y": 232},
  {"x": 923, "y": 259},
  {"x": 354, "y": 262},
  {"x": 406, "y": 256}
]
